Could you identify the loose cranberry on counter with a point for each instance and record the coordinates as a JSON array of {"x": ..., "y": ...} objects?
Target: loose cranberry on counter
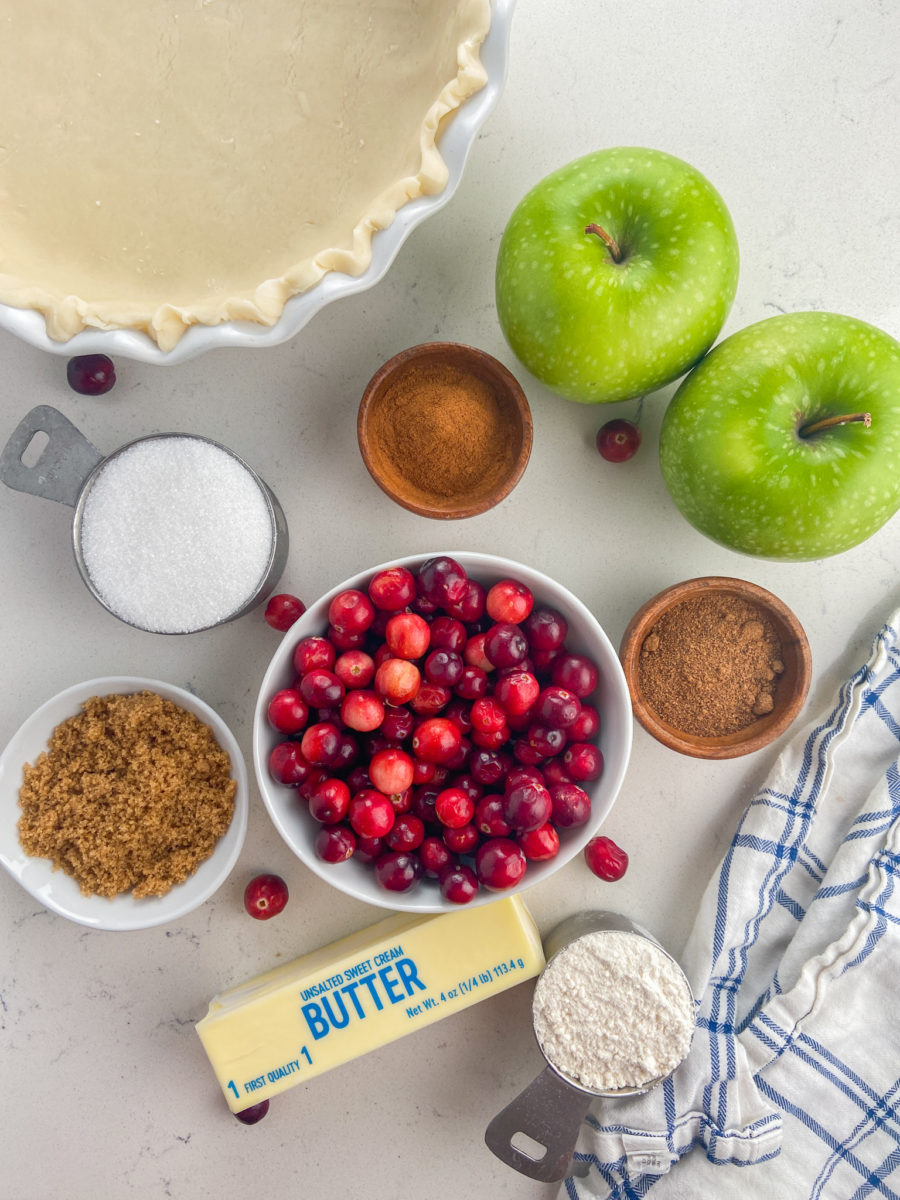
[
  {"x": 253, "y": 1114},
  {"x": 607, "y": 860},
  {"x": 283, "y": 610},
  {"x": 618, "y": 440},
  {"x": 265, "y": 896},
  {"x": 91, "y": 374}
]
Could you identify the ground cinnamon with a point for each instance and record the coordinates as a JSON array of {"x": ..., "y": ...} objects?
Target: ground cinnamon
[
  {"x": 444, "y": 431},
  {"x": 710, "y": 665}
]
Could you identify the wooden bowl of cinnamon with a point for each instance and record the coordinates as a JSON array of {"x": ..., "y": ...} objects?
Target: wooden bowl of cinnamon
[
  {"x": 445, "y": 430},
  {"x": 716, "y": 667}
]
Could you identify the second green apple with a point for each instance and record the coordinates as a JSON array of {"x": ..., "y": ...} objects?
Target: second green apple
[{"x": 615, "y": 274}]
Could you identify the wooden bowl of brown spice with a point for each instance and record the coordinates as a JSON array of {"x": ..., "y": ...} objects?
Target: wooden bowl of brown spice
[
  {"x": 716, "y": 667},
  {"x": 445, "y": 430}
]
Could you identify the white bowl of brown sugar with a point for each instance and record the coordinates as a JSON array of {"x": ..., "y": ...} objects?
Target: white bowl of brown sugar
[
  {"x": 123, "y": 803},
  {"x": 716, "y": 667}
]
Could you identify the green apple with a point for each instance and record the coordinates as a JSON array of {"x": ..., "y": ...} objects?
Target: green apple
[
  {"x": 785, "y": 441},
  {"x": 615, "y": 274}
]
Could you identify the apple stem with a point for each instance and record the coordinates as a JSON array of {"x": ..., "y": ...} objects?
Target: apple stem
[
  {"x": 806, "y": 431},
  {"x": 608, "y": 240}
]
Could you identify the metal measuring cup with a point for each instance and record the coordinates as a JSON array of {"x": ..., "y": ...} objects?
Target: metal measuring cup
[
  {"x": 69, "y": 464},
  {"x": 550, "y": 1110}
]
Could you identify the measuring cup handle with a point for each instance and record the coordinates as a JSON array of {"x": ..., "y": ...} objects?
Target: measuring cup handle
[
  {"x": 64, "y": 463},
  {"x": 549, "y": 1113}
]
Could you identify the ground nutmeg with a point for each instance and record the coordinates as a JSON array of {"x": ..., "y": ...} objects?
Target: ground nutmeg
[
  {"x": 442, "y": 433},
  {"x": 710, "y": 665}
]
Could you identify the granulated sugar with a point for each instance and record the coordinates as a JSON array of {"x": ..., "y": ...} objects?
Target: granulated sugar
[
  {"x": 612, "y": 1010},
  {"x": 176, "y": 534}
]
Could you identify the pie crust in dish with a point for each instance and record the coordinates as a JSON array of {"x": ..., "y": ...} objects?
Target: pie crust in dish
[{"x": 181, "y": 162}]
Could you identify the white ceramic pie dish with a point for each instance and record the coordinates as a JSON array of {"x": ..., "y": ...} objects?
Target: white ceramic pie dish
[
  {"x": 58, "y": 891},
  {"x": 455, "y": 143}
]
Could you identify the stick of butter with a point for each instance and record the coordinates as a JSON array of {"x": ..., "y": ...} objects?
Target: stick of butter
[{"x": 362, "y": 992}]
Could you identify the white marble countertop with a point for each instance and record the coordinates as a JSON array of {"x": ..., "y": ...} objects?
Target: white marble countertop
[{"x": 793, "y": 111}]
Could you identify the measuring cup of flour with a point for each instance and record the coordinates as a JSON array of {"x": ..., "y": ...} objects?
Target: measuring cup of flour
[
  {"x": 613, "y": 1015},
  {"x": 172, "y": 533}
]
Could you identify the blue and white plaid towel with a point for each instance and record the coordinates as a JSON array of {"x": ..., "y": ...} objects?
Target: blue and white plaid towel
[{"x": 795, "y": 957}]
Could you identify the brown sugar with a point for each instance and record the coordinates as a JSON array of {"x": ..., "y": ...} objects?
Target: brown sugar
[
  {"x": 444, "y": 431},
  {"x": 131, "y": 795},
  {"x": 710, "y": 665}
]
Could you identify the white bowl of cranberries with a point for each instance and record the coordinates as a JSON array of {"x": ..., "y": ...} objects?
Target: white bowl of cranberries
[{"x": 442, "y": 730}]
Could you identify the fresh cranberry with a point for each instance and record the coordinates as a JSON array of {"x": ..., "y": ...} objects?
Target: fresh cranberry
[
  {"x": 491, "y": 739},
  {"x": 322, "y": 689},
  {"x": 554, "y": 772},
  {"x": 344, "y": 640},
  {"x": 458, "y": 884},
  {"x": 288, "y": 712},
  {"x": 443, "y": 666},
  {"x": 448, "y": 634},
  {"x": 398, "y": 871},
  {"x": 430, "y": 699},
  {"x": 335, "y": 843},
  {"x": 557, "y": 707},
  {"x": 265, "y": 896},
  {"x": 469, "y": 785},
  {"x": 499, "y": 863},
  {"x": 520, "y": 774},
  {"x": 408, "y": 635},
  {"x": 407, "y": 832},
  {"x": 453, "y": 807},
  {"x": 423, "y": 772},
  {"x": 510, "y": 601},
  {"x": 586, "y": 726},
  {"x": 577, "y": 673},
  {"x": 462, "y": 839},
  {"x": 487, "y": 715},
  {"x": 355, "y": 668},
  {"x": 545, "y": 740},
  {"x": 441, "y": 580},
  {"x": 435, "y": 855},
  {"x": 583, "y": 761},
  {"x": 329, "y": 801},
  {"x": 517, "y": 692},
  {"x": 539, "y": 845},
  {"x": 401, "y": 802},
  {"x": 283, "y": 610},
  {"x": 618, "y": 440},
  {"x": 545, "y": 629},
  {"x": 91, "y": 374},
  {"x": 398, "y": 724},
  {"x": 371, "y": 813},
  {"x": 351, "y": 611},
  {"x": 362, "y": 710},
  {"x": 526, "y": 753},
  {"x": 527, "y": 806},
  {"x": 436, "y": 740},
  {"x": 488, "y": 767},
  {"x": 369, "y": 849},
  {"x": 391, "y": 770},
  {"x": 607, "y": 860},
  {"x": 489, "y": 817},
  {"x": 505, "y": 645},
  {"x": 321, "y": 743},
  {"x": 459, "y": 712},
  {"x": 288, "y": 765},
  {"x": 397, "y": 680},
  {"x": 254, "y": 1114},
  {"x": 571, "y": 805},
  {"x": 475, "y": 654},
  {"x": 313, "y": 652},
  {"x": 470, "y": 606},
  {"x": 473, "y": 683},
  {"x": 392, "y": 589}
]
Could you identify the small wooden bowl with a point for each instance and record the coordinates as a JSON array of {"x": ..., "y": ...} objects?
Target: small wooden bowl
[
  {"x": 790, "y": 693},
  {"x": 501, "y": 407}
]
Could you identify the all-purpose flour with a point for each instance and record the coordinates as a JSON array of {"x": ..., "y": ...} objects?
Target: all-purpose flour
[{"x": 612, "y": 1010}]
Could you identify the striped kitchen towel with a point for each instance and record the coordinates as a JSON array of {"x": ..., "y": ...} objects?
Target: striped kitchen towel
[{"x": 794, "y": 1071}]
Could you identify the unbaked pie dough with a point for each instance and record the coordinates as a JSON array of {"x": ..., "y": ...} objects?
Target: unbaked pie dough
[{"x": 171, "y": 162}]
